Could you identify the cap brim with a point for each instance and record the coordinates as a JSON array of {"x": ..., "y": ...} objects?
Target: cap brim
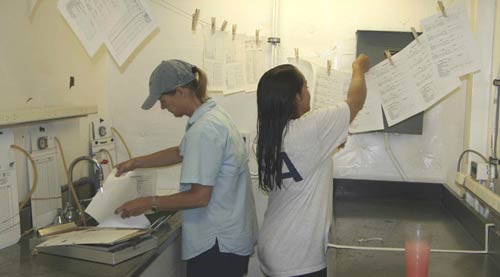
[{"x": 150, "y": 102}]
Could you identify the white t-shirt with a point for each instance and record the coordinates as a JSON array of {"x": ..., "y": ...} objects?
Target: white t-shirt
[{"x": 293, "y": 239}]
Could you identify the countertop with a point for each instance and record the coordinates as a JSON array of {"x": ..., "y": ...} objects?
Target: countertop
[
  {"x": 17, "y": 260},
  {"x": 364, "y": 217}
]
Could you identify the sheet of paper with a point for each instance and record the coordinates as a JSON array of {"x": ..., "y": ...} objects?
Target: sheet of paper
[
  {"x": 9, "y": 210},
  {"x": 329, "y": 88},
  {"x": 130, "y": 28},
  {"x": 412, "y": 84},
  {"x": 453, "y": 45},
  {"x": 214, "y": 59},
  {"x": 88, "y": 20},
  {"x": 89, "y": 236},
  {"x": 255, "y": 63},
  {"x": 117, "y": 191},
  {"x": 370, "y": 117},
  {"x": 235, "y": 65}
]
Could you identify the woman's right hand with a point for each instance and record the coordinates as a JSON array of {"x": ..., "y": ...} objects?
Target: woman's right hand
[
  {"x": 362, "y": 63},
  {"x": 125, "y": 167}
]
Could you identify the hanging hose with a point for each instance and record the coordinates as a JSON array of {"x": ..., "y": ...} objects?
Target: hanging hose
[
  {"x": 71, "y": 187},
  {"x": 35, "y": 175},
  {"x": 123, "y": 142},
  {"x": 393, "y": 158}
]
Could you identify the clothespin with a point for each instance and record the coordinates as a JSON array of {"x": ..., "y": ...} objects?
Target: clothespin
[
  {"x": 415, "y": 35},
  {"x": 235, "y": 26},
  {"x": 212, "y": 27},
  {"x": 296, "y": 50},
  {"x": 257, "y": 36},
  {"x": 223, "y": 27},
  {"x": 328, "y": 67},
  {"x": 194, "y": 22},
  {"x": 441, "y": 7},
  {"x": 388, "y": 56}
]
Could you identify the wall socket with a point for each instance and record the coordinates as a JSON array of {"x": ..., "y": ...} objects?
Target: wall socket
[{"x": 479, "y": 171}]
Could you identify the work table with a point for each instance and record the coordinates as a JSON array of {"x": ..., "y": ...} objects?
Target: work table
[
  {"x": 17, "y": 260},
  {"x": 362, "y": 218}
]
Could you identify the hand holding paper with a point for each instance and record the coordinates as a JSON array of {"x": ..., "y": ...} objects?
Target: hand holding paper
[{"x": 117, "y": 191}]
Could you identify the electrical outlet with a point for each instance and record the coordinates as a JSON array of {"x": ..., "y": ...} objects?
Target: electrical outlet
[
  {"x": 479, "y": 171},
  {"x": 245, "y": 135}
]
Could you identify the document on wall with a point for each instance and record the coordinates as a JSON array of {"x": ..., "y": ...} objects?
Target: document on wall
[
  {"x": 330, "y": 88},
  {"x": 410, "y": 85},
  {"x": 453, "y": 45},
  {"x": 120, "y": 24},
  {"x": 255, "y": 60},
  {"x": 117, "y": 191},
  {"x": 370, "y": 117},
  {"x": 235, "y": 65},
  {"x": 214, "y": 59},
  {"x": 9, "y": 209},
  {"x": 88, "y": 20},
  {"x": 131, "y": 25}
]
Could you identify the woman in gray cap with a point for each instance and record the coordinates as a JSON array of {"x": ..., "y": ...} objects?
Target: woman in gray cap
[{"x": 219, "y": 227}]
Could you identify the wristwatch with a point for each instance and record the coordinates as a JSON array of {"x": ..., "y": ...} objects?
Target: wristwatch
[{"x": 154, "y": 205}]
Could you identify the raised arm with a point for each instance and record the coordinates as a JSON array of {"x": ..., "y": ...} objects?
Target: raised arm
[
  {"x": 165, "y": 157},
  {"x": 357, "y": 90}
]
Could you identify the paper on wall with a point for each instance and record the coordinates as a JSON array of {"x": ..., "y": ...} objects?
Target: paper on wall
[
  {"x": 410, "y": 85},
  {"x": 87, "y": 19},
  {"x": 370, "y": 117},
  {"x": 452, "y": 42},
  {"x": 9, "y": 210},
  {"x": 129, "y": 29},
  {"x": 120, "y": 24},
  {"x": 117, "y": 191}
]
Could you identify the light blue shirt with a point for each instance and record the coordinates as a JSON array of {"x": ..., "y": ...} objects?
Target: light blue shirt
[{"x": 214, "y": 155}]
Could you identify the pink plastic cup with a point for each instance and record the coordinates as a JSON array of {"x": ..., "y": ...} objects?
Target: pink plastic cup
[{"x": 417, "y": 249}]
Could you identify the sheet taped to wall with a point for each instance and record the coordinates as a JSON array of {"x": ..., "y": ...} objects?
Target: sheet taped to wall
[{"x": 121, "y": 24}]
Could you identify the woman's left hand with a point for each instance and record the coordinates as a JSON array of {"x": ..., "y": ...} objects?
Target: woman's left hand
[{"x": 134, "y": 207}]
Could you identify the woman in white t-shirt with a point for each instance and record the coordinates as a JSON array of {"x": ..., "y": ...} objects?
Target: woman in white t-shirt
[{"x": 294, "y": 150}]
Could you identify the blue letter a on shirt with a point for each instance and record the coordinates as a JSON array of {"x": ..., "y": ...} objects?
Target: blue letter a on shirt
[{"x": 292, "y": 171}]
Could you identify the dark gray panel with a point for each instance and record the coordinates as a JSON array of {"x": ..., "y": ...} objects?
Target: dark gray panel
[{"x": 373, "y": 44}]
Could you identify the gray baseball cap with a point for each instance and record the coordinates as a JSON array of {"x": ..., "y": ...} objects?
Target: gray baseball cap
[{"x": 166, "y": 77}]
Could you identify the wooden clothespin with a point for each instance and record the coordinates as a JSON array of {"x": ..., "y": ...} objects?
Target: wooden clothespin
[
  {"x": 223, "y": 27},
  {"x": 257, "y": 36},
  {"x": 388, "y": 56},
  {"x": 235, "y": 26},
  {"x": 328, "y": 67},
  {"x": 441, "y": 7},
  {"x": 415, "y": 35},
  {"x": 194, "y": 22},
  {"x": 212, "y": 26},
  {"x": 296, "y": 50}
]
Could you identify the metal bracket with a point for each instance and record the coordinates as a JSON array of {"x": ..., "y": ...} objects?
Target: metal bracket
[
  {"x": 496, "y": 82},
  {"x": 494, "y": 161},
  {"x": 273, "y": 40}
]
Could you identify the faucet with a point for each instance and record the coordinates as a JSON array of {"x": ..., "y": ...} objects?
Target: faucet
[{"x": 72, "y": 165}]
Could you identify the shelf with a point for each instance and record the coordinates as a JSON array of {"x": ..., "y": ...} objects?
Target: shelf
[{"x": 9, "y": 118}]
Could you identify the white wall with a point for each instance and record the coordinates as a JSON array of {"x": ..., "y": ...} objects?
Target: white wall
[{"x": 38, "y": 54}]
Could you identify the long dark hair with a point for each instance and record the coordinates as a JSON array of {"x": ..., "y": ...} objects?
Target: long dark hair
[{"x": 276, "y": 104}]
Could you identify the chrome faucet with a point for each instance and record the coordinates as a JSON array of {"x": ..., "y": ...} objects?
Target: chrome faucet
[{"x": 71, "y": 166}]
